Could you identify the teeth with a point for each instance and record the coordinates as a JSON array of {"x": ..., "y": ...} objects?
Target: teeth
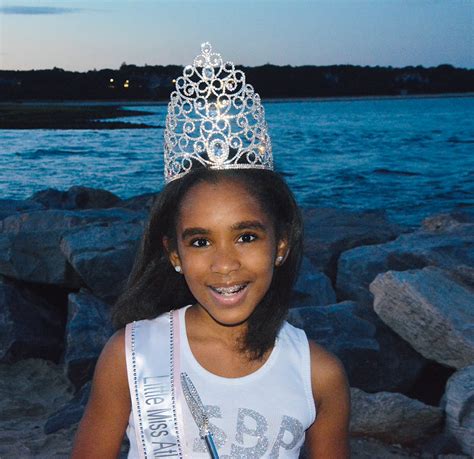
[{"x": 229, "y": 290}]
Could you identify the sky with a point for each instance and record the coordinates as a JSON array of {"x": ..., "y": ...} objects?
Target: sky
[{"x": 84, "y": 34}]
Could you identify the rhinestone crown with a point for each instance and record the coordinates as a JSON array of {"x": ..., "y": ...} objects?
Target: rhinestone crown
[{"x": 215, "y": 119}]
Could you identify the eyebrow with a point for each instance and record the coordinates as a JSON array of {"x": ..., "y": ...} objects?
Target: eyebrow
[
  {"x": 250, "y": 224},
  {"x": 245, "y": 225},
  {"x": 188, "y": 232}
]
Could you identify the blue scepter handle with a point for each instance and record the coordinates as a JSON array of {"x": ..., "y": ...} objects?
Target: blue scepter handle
[{"x": 211, "y": 446}]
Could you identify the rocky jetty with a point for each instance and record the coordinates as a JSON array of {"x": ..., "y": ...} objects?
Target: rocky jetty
[
  {"x": 393, "y": 417},
  {"x": 411, "y": 302},
  {"x": 449, "y": 246},
  {"x": 395, "y": 305}
]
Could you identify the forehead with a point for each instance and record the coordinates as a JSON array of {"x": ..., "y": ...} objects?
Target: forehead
[{"x": 221, "y": 202}]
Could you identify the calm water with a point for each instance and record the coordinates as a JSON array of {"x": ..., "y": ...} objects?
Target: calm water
[{"x": 412, "y": 157}]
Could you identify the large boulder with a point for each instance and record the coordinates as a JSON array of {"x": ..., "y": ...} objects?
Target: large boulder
[
  {"x": 330, "y": 231},
  {"x": 88, "y": 329},
  {"x": 373, "y": 361},
  {"x": 12, "y": 206},
  {"x": 142, "y": 202},
  {"x": 29, "y": 326},
  {"x": 103, "y": 255},
  {"x": 313, "y": 287},
  {"x": 459, "y": 406},
  {"x": 449, "y": 247},
  {"x": 77, "y": 197},
  {"x": 71, "y": 413},
  {"x": 30, "y": 243},
  {"x": 429, "y": 310},
  {"x": 392, "y": 417}
]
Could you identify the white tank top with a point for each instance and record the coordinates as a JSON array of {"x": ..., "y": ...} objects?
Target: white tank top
[{"x": 261, "y": 415}]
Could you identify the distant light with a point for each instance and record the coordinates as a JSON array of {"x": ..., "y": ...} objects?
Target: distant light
[{"x": 111, "y": 80}]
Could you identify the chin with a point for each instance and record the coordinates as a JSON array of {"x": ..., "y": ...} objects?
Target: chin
[{"x": 228, "y": 317}]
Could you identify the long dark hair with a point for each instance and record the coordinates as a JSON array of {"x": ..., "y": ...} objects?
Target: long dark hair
[{"x": 154, "y": 287}]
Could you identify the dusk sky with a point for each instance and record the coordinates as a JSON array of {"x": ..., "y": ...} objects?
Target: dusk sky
[{"x": 83, "y": 34}]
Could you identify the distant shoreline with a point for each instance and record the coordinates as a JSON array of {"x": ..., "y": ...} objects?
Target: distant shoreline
[
  {"x": 68, "y": 116},
  {"x": 79, "y": 114},
  {"x": 119, "y": 102}
]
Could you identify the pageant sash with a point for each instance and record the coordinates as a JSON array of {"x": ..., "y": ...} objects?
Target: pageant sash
[{"x": 152, "y": 385}]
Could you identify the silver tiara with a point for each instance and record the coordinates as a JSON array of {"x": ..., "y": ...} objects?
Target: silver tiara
[{"x": 215, "y": 119}]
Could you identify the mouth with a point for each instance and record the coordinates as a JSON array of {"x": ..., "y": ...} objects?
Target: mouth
[{"x": 231, "y": 291}]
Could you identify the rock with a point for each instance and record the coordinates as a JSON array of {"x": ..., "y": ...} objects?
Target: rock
[
  {"x": 30, "y": 243},
  {"x": 77, "y": 197},
  {"x": 88, "y": 329},
  {"x": 463, "y": 274},
  {"x": 371, "y": 448},
  {"x": 341, "y": 330},
  {"x": 30, "y": 391},
  {"x": 396, "y": 357},
  {"x": 392, "y": 417},
  {"x": 459, "y": 407},
  {"x": 442, "y": 222},
  {"x": 430, "y": 311},
  {"x": 329, "y": 232},
  {"x": 71, "y": 413},
  {"x": 103, "y": 255},
  {"x": 451, "y": 249},
  {"x": 13, "y": 206},
  {"x": 313, "y": 288},
  {"x": 29, "y": 327},
  {"x": 142, "y": 202}
]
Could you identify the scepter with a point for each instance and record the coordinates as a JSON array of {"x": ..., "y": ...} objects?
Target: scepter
[{"x": 199, "y": 413}]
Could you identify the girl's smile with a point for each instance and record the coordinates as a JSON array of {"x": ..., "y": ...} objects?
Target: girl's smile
[
  {"x": 231, "y": 295},
  {"x": 226, "y": 247}
]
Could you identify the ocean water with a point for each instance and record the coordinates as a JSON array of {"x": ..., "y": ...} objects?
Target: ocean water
[{"x": 412, "y": 157}]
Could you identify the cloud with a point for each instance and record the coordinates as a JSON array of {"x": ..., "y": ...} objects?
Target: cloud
[{"x": 36, "y": 10}]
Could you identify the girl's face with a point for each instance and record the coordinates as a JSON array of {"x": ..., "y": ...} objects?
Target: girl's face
[{"x": 227, "y": 249}]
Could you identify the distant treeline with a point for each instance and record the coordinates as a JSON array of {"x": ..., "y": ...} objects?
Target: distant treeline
[{"x": 131, "y": 82}]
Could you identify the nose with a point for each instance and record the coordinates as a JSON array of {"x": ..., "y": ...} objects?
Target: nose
[{"x": 225, "y": 260}]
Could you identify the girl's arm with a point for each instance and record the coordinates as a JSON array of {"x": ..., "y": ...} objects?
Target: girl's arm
[
  {"x": 105, "y": 419},
  {"x": 328, "y": 437}
]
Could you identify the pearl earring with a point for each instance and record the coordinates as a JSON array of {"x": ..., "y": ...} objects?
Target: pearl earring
[
  {"x": 177, "y": 268},
  {"x": 279, "y": 260}
]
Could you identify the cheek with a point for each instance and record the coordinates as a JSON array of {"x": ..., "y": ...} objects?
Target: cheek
[
  {"x": 192, "y": 261},
  {"x": 262, "y": 260}
]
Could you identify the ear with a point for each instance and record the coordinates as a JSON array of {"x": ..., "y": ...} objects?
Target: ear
[
  {"x": 171, "y": 251},
  {"x": 282, "y": 251}
]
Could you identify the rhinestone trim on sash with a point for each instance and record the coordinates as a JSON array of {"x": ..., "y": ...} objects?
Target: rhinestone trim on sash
[
  {"x": 172, "y": 382},
  {"x": 135, "y": 383}
]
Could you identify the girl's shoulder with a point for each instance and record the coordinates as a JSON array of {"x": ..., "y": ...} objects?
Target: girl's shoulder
[
  {"x": 112, "y": 358},
  {"x": 327, "y": 371},
  {"x": 328, "y": 376}
]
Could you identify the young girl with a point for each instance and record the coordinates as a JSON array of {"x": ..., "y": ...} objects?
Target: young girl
[{"x": 221, "y": 252}]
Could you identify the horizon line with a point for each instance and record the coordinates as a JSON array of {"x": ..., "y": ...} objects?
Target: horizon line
[{"x": 124, "y": 64}]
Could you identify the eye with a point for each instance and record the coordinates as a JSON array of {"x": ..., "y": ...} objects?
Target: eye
[
  {"x": 200, "y": 242},
  {"x": 247, "y": 237}
]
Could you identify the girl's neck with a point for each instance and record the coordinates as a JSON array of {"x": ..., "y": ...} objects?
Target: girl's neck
[
  {"x": 218, "y": 348},
  {"x": 201, "y": 323}
]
